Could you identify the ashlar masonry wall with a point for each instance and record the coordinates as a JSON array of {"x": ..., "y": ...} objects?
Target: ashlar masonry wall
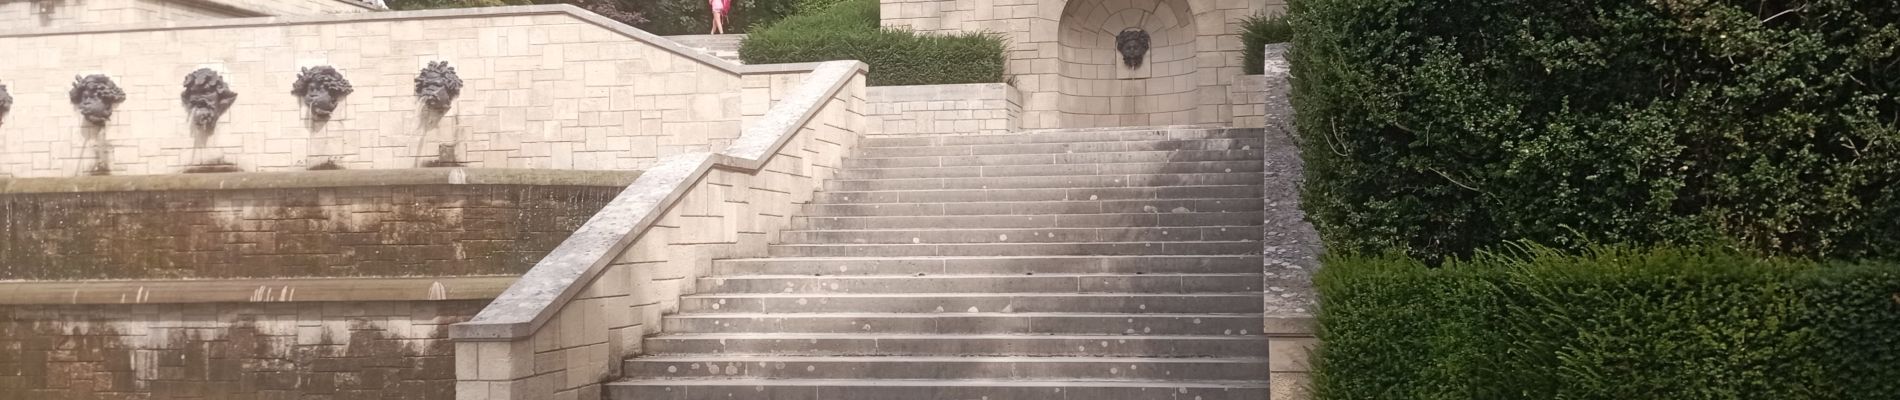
[
  {"x": 1062, "y": 59},
  {"x": 982, "y": 108},
  {"x": 543, "y": 87}
]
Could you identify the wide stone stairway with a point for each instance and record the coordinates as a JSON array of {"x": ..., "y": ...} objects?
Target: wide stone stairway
[{"x": 1099, "y": 264}]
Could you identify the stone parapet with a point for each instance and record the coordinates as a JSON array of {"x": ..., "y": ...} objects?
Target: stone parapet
[{"x": 1292, "y": 247}]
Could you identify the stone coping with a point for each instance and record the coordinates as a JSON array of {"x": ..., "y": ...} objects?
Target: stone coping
[
  {"x": 318, "y": 179},
  {"x": 564, "y": 273},
  {"x": 490, "y": 12},
  {"x": 270, "y": 290},
  {"x": 239, "y": 10}
]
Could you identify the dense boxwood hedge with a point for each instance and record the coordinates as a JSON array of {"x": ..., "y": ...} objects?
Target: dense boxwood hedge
[
  {"x": 849, "y": 31},
  {"x": 1442, "y": 126},
  {"x": 1607, "y": 324},
  {"x": 1255, "y": 33}
]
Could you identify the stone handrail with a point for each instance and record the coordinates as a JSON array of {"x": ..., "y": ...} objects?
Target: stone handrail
[{"x": 581, "y": 302}]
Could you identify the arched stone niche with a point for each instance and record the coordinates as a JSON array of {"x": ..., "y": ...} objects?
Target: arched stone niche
[{"x": 1097, "y": 89}]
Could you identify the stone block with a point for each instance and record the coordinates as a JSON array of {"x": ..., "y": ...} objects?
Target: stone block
[{"x": 1290, "y": 354}]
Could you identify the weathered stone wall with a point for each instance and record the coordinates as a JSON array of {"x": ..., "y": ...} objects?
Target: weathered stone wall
[
  {"x": 1061, "y": 58},
  {"x": 374, "y": 225},
  {"x": 69, "y": 13},
  {"x": 1291, "y": 247},
  {"x": 300, "y": 350},
  {"x": 544, "y": 87},
  {"x": 983, "y": 108}
]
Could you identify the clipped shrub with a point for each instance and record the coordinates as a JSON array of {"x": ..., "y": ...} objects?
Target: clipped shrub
[
  {"x": 1439, "y": 127},
  {"x": 849, "y": 31},
  {"x": 1607, "y": 324},
  {"x": 812, "y": 6},
  {"x": 1256, "y": 32}
]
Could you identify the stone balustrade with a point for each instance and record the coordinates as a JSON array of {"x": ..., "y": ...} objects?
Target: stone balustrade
[{"x": 561, "y": 330}]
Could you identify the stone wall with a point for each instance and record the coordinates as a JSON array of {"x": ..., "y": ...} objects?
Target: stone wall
[
  {"x": 69, "y": 13},
  {"x": 565, "y": 326},
  {"x": 1248, "y": 97},
  {"x": 982, "y": 108},
  {"x": 1291, "y": 247},
  {"x": 1062, "y": 56},
  {"x": 297, "y": 350},
  {"x": 433, "y": 222},
  {"x": 1250, "y": 93},
  {"x": 544, "y": 87}
]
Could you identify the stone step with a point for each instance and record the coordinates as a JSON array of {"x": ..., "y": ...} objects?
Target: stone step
[
  {"x": 1124, "y": 303},
  {"x": 1198, "y": 167},
  {"x": 1043, "y": 283},
  {"x": 1061, "y": 148},
  {"x": 990, "y": 265},
  {"x": 1152, "y": 206},
  {"x": 1159, "y": 156},
  {"x": 937, "y": 367},
  {"x": 979, "y": 323},
  {"x": 1030, "y": 182},
  {"x": 1015, "y": 249},
  {"x": 861, "y": 344},
  {"x": 1076, "y": 194},
  {"x": 870, "y": 389},
  {"x": 1250, "y": 218},
  {"x": 1023, "y": 235},
  {"x": 1119, "y": 135}
]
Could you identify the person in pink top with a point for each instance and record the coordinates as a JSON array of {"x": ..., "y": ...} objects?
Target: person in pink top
[{"x": 719, "y": 8}]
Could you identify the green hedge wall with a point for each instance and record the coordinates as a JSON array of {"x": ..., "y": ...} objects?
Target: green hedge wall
[
  {"x": 1608, "y": 324},
  {"x": 1439, "y": 127},
  {"x": 849, "y": 31}
]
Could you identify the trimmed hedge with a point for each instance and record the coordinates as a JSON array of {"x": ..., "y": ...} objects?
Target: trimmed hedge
[
  {"x": 1438, "y": 127},
  {"x": 1609, "y": 324},
  {"x": 694, "y": 17},
  {"x": 849, "y": 31},
  {"x": 1256, "y": 32}
]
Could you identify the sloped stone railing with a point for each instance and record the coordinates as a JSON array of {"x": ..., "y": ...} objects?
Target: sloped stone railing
[{"x": 563, "y": 328}]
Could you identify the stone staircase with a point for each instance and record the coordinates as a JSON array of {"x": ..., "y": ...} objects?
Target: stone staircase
[
  {"x": 720, "y": 46},
  {"x": 1100, "y": 265}
]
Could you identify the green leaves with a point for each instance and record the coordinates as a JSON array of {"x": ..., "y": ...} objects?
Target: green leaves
[
  {"x": 1610, "y": 323},
  {"x": 849, "y": 31},
  {"x": 1258, "y": 31},
  {"x": 1440, "y": 127}
]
